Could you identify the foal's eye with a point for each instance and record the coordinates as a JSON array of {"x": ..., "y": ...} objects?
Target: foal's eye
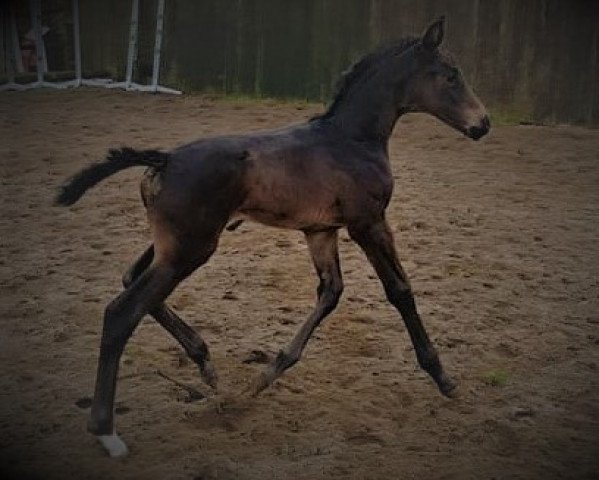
[{"x": 452, "y": 78}]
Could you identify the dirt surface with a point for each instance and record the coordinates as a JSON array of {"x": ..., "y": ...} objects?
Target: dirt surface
[{"x": 499, "y": 238}]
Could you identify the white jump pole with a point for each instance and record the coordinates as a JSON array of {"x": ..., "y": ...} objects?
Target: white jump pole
[
  {"x": 158, "y": 50},
  {"x": 35, "y": 7},
  {"x": 155, "y": 87},
  {"x": 35, "y": 14},
  {"x": 76, "y": 43},
  {"x": 79, "y": 80},
  {"x": 129, "y": 84},
  {"x": 14, "y": 36},
  {"x": 41, "y": 67},
  {"x": 11, "y": 48},
  {"x": 158, "y": 42},
  {"x": 132, "y": 52}
]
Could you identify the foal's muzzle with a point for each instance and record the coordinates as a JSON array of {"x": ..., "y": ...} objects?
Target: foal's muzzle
[{"x": 481, "y": 130}]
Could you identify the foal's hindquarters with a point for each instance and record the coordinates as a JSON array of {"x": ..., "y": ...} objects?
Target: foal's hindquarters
[{"x": 187, "y": 210}]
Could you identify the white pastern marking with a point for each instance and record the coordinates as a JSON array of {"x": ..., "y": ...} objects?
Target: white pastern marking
[{"x": 113, "y": 445}]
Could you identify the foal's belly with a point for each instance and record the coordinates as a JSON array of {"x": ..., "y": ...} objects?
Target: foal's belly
[
  {"x": 294, "y": 211},
  {"x": 312, "y": 220}
]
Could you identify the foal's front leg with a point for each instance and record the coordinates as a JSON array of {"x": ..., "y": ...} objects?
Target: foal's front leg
[
  {"x": 377, "y": 242},
  {"x": 323, "y": 248}
]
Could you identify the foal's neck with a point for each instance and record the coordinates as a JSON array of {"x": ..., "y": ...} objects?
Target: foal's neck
[{"x": 371, "y": 109}]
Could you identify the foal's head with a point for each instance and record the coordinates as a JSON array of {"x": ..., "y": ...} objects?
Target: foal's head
[{"x": 438, "y": 87}]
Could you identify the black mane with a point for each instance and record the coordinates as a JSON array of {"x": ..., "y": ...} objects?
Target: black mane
[{"x": 360, "y": 69}]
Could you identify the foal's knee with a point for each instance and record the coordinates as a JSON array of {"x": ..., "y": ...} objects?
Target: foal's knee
[
  {"x": 400, "y": 297},
  {"x": 330, "y": 291}
]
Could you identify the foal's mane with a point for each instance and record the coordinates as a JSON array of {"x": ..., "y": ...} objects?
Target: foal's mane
[{"x": 363, "y": 67}]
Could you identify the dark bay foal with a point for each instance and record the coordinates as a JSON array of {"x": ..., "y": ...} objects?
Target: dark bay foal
[{"x": 332, "y": 172}]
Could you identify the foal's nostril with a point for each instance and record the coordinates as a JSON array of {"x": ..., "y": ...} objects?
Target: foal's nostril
[
  {"x": 480, "y": 131},
  {"x": 486, "y": 123}
]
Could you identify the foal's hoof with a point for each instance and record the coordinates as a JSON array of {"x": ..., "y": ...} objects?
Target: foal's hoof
[
  {"x": 448, "y": 387},
  {"x": 260, "y": 383},
  {"x": 209, "y": 375},
  {"x": 113, "y": 445}
]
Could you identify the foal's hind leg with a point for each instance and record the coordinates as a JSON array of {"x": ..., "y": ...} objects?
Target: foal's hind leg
[
  {"x": 120, "y": 320},
  {"x": 377, "y": 242},
  {"x": 188, "y": 338},
  {"x": 144, "y": 295},
  {"x": 323, "y": 248}
]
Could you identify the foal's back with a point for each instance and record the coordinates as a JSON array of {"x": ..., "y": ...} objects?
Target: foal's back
[{"x": 303, "y": 177}]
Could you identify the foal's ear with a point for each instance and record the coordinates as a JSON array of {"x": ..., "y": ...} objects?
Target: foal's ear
[{"x": 433, "y": 36}]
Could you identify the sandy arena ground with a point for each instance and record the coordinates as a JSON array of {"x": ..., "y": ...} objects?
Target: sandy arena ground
[{"x": 499, "y": 237}]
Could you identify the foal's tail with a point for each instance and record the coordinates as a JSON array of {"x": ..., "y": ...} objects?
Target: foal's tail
[{"x": 116, "y": 161}]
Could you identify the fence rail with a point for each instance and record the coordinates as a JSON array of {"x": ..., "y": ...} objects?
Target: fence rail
[{"x": 533, "y": 59}]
